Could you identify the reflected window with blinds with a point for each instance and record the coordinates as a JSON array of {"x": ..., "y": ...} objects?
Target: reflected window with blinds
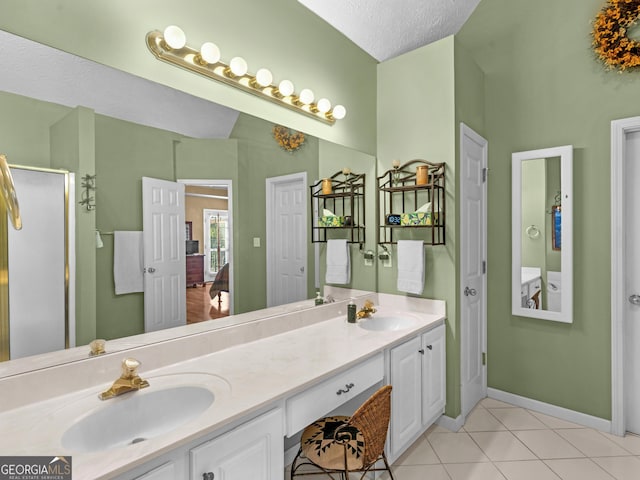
[{"x": 217, "y": 224}]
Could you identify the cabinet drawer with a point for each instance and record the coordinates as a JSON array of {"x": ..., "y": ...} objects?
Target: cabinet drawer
[{"x": 313, "y": 403}]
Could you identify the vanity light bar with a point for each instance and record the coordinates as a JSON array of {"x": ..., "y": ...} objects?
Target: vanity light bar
[{"x": 170, "y": 46}]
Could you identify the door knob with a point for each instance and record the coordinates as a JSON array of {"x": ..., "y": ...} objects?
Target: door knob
[
  {"x": 151, "y": 270},
  {"x": 634, "y": 299},
  {"x": 470, "y": 292},
  {"x": 301, "y": 269}
]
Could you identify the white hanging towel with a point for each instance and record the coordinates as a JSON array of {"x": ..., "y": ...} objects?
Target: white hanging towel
[
  {"x": 128, "y": 262},
  {"x": 338, "y": 262},
  {"x": 411, "y": 266}
]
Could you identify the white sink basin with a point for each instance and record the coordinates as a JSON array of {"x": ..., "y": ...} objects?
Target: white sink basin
[
  {"x": 385, "y": 323},
  {"x": 136, "y": 416}
]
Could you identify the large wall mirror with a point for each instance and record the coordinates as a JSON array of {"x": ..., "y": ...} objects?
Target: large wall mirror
[
  {"x": 542, "y": 234},
  {"x": 177, "y": 136}
]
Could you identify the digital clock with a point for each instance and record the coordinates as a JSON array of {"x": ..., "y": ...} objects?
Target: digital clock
[{"x": 393, "y": 219}]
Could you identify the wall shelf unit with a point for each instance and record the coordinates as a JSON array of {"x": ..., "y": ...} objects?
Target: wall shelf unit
[
  {"x": 412, "y": 200},
  {"x": 343, "y": 195}
]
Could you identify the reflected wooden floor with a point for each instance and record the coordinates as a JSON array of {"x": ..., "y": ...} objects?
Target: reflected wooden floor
[{"x": 200, "y": 307}]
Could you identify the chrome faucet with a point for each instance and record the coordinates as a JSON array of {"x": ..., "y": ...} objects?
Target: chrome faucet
[
  {"x": 366, "y": 310},
  {"x": 128, "y": 381}
]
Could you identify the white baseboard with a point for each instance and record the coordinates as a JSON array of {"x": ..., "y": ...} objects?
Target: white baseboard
[
  {"x": 548, "y": 409},
  {"x": 453, "y": 424}
]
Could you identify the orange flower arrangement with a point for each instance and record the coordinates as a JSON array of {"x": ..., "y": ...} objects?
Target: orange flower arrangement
[
  {"x": 610, "y": 40},
  {"x": 290, "y": 140}
]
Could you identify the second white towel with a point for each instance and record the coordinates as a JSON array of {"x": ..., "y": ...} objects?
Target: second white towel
[
  {"x": 338, "y": 262},
  {"x": 411, "y": 266}
]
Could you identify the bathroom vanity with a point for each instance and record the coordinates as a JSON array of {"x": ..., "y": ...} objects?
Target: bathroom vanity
[{"x": 304, "y": 365}]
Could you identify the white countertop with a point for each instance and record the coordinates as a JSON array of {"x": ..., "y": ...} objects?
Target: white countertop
[{"x": 259, "y": 374}]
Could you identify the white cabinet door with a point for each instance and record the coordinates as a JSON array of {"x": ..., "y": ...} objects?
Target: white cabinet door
[
  {"x": 433, "y": 374},
  {"x": 406, "y": 396},
  {"x": 252, "y": 451}
]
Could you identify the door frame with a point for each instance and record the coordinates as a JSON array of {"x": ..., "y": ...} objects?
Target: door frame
[
  {"x": 270, "y": 187},
  {"x": 619, "y": 131},
  {"x": 229, "y": 185},
  {"x": 465, "y": 131}
]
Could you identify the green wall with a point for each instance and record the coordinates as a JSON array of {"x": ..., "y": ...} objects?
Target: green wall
[
  {"x": 543, "y": 88},
  {"x": 416, "y": 119},
  {"x": 281, "y": 35},
  {"x": 73, "y": 149}
]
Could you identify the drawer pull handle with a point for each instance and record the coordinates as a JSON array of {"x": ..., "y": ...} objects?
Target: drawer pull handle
[
  {"x": 208, "y": 476},
  {"x": 348, "y": 387}
]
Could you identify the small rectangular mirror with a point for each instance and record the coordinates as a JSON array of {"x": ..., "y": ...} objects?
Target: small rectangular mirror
[{"x": 542, "y": 226}]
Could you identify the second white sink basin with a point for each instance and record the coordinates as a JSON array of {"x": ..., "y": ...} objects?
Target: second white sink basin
[
  {"x": 136, "y": 416},
  {"x": 387, "y": 322}
]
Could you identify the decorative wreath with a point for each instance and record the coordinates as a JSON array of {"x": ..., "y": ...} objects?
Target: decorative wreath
[
  {"x": 289, "y": 140},
  {"x": 610, "y": 40}
]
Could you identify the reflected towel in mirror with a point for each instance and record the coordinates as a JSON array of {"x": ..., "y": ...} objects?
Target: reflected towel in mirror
[
  {"x": 128, "y": 262},
  {"x": 338, "y": 262}
]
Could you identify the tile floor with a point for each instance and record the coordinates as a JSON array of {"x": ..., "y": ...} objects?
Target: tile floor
[{"x": 503, "y": 442}]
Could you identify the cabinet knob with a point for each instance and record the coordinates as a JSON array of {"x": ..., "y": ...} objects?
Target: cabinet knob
[
  {"x": 430, "y": 347},
  {"x": 421, "y": 351},
  {"x": 208, "y": 476}
]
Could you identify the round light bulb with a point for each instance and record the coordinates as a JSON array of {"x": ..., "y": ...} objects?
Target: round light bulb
[
  {"x": 323, "y": 105},
  {"x": 238, "y": 66},
  {"x": 306, "y": 96},
  {"x": 285, "y": 88},
  {"x": 175, "y": 37},
  {"x": 264, "y": 77},
  {"x": 210, "y": 52},
  {"x": 339, "y": 112}
]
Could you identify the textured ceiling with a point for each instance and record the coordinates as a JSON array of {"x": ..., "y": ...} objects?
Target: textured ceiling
[
  {"x": 388, "y": 28},
  {"x": 73, "y": 81}
]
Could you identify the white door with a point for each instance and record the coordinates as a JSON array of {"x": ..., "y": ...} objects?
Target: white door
[
  {"x": 473, "y": 220},
  {"x": 286, "y": 239},
  {"x": 164, "y": 254},
  {"x": 632, "y": 261}
]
